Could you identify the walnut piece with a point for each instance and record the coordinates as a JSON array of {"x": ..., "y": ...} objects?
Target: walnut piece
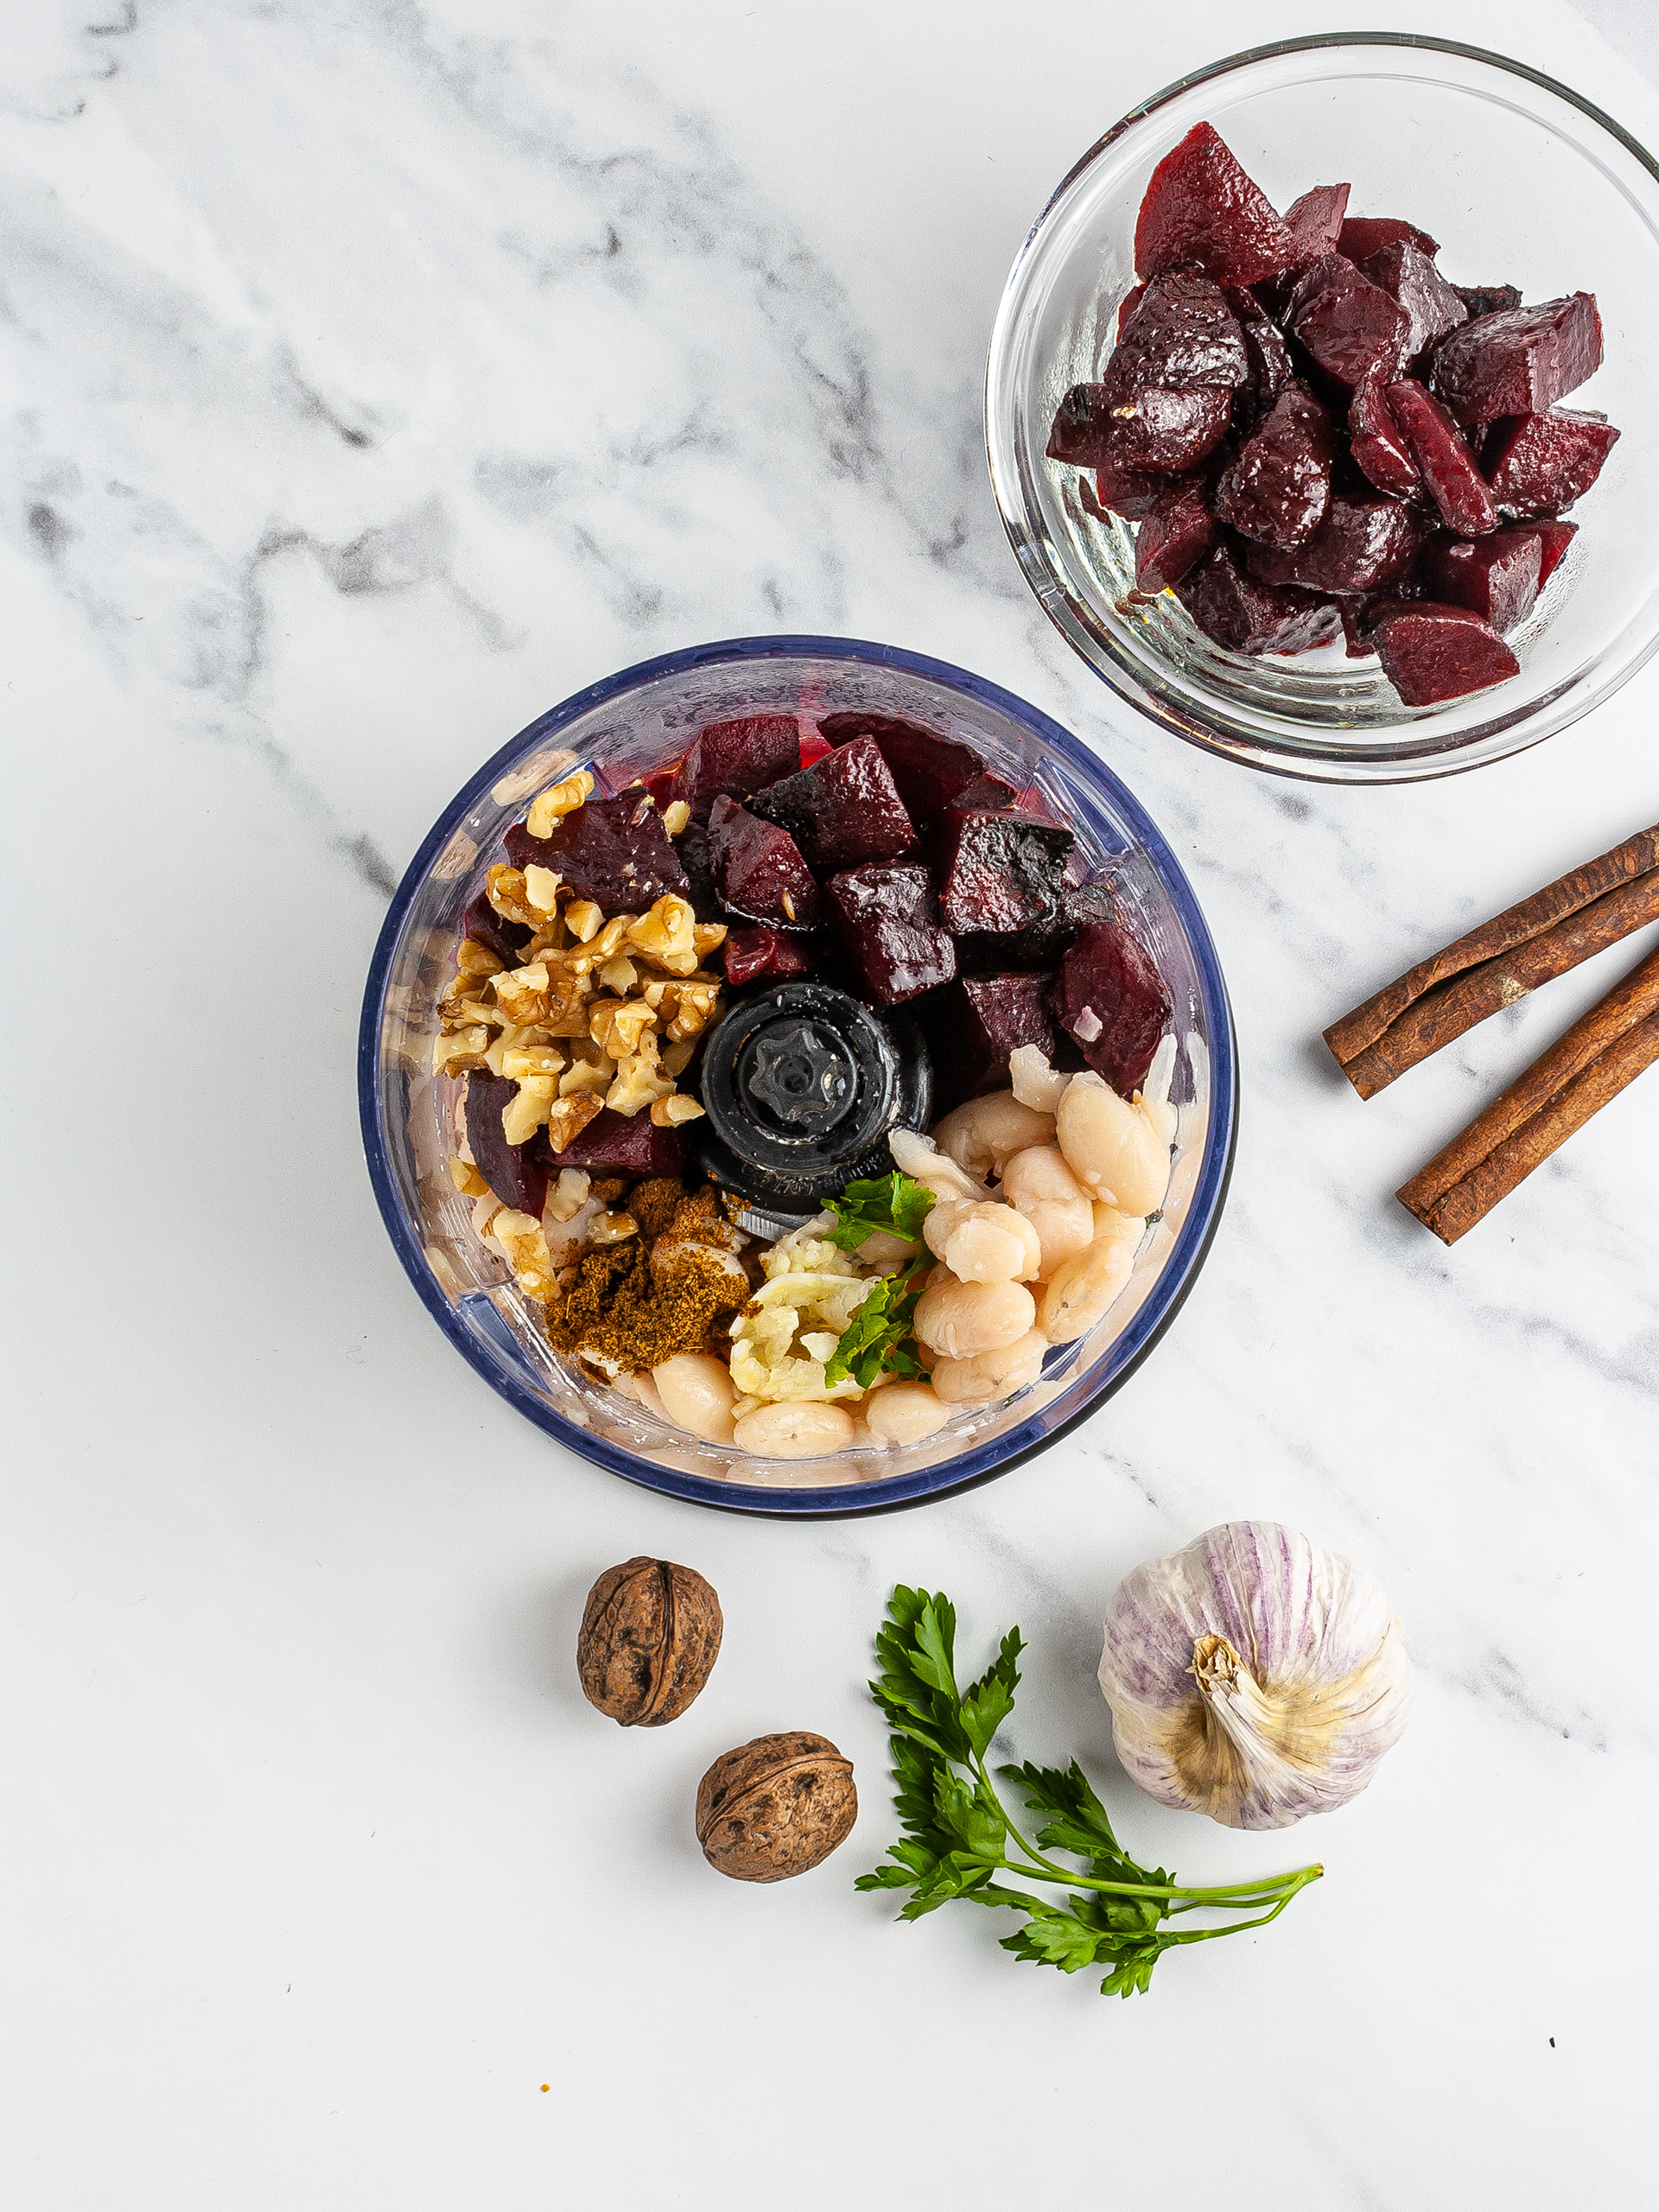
[
  {"x": 650, "y": 1635},
  {"x": 549, "y": 807},
  {"x": 776, "y": 1806}
]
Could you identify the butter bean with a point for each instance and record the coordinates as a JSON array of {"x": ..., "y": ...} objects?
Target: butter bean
[
  {"x": 985, "y": 1243},
  {"x": 696, "y": 1392},
  {"x": 1082, "y": 1288},
  {"x": 795, "y": 1430},
  {"x": 905, "y": 1413},
  {"x": 991, "y": 1375},
  {"x": 981, "y": 1136},
  {"x": 1119, "y": 1152},
  {"x": 1038, "y": 1184},
  {"x": 959, "y": 1320}
]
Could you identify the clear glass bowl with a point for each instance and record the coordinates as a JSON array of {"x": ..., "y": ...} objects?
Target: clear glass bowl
[
  {"x": 1523, "y": 183},
  {"x": 628, "y": 725}
]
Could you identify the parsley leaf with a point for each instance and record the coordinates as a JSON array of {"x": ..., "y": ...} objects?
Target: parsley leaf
[
  {"x": 879, "y": 1335},
  {"x": 957, "y": 1835},
  {"x": 890, "y": 1201}
]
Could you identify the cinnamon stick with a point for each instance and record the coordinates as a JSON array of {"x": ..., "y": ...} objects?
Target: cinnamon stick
[
  {"x": 1601, "y": 1053},
  {"x": 1492, "y": 966}
]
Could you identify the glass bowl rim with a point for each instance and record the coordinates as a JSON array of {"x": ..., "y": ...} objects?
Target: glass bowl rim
[
  {"x": 1166, "y": 703},
  {"x": 1147, "y": 1324}
]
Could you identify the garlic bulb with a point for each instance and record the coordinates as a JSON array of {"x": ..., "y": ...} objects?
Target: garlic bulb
[{"x": 1254, "y": 1676}]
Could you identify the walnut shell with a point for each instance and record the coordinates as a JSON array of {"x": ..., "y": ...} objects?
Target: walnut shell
[
  {"x": 776, "y": 1806},
  {"x": 650, "y": 1636}
]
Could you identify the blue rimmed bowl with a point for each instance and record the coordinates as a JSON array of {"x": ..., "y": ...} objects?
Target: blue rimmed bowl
[{"x": 628, "y": 725}]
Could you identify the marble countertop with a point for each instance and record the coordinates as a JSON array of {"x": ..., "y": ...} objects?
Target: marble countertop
[{"x": 376, "y": 376}]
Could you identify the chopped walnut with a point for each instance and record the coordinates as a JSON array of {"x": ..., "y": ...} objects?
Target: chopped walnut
[
  {"x": 674, "y": 1109},
  {"x": 542, "y": 889},
  {"x": 568, "y": 1118},
  {"x": 676, "y": 815},
  {"x": 520, "y": 1061},
  {"x": 466, "y": 1179},
  {"x": 569, "y": 1194},
  {"x": 583, "y": 920},
  {"x": 612, "y": 1227},
  {"x": 690, "y": 1005},
  {"x": 504, "y": 887},
  {"x": 639, "y": 1082},
  {"x": 548, "y": 807},
  {"x": 520, "y": 1237},
  {"x": 521, "y": 993},
  {"x": 707, "y": 936},
  {"x": 618, "y": 975},
  {"x": 528, "y": 1108},
  {"x": 474, "y": 959},
  {"x": 617, "y": 1025},
  {"x": 597, "y": 1074},
  {"x": 666, "y": 935},
  {"x": 456, "y": 1054}
]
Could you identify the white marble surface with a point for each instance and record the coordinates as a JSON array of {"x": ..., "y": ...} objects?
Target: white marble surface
[{"x": 376, "y": 376}]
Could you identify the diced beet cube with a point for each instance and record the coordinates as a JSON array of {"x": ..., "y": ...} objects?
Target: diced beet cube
[
  {"x": 614, "y": 851},
  {"x": 890, "y": 924},
  {"x": 759, "y": 870},
  {"x": 755, "y": 953},
  {"x": 1487, "y": 299},
  {"x": 1127, "y": 306},
  {"x": 1361, "y": 545},
  {"x": 621, "y": 1144},
  {"x": 1182, "y": 336},
  {"x": 1347, "y": 323},
  {"x": 1520, "y": 361},
  {"x": 485, "y": 927},
  {"x": 1360, "y": 235},
  {"x": 1314, "y": 222},
  {"x": 1107, "y": 996},
  {"x": 1431, "y": 652},
  {"x": 1374, "y": 439},
  {"x": 997, "y": 871},
  {"x": 1251, "y": 617},
  {"x": 1278, "y": 485},
  {"x": 1496, "y": 577},
  {"x": 1154, "y": 431},
  {"x": 738, "y": 758},
  {"x": 691, "y": 847},
  {"x": 1082, "y": 905},
  {"x": 1126, "y": 492},
  {"x": 1437, "y": 446},
  {"x": 1201, "y": 207},
  {"x": 1430, "y": 305},
  {"x": 511, "y": 1170},
  {"x": 844, "y": 810},
  {"x": 1553, "y": 538},
  {"x": 1268, "y": 358},
  {"x": 974, "y": 1028},
  {"x": 929, "y": 771},
  {"x": 1177, "y": 530},
  {"x": 1538, "y": 464}
]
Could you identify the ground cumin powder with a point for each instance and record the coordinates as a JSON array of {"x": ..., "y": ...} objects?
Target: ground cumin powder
[{"x": 618, "y": 1308}]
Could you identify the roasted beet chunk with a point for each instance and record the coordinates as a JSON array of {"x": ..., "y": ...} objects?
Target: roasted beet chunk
[
  {"x": 1200, "y": 207},
  {"x": 1127, "y": 491},
  {"x": 738, "y": 758},
  {"x": 614, "y": 851},
  {"x": 1314, "y": 222},
  {"x": 973, "y": 1027},
  {"x": 759, "y": 870},
  {"x": 1127, "y": 306},
  {"x": 485, "y": 927},
  {"x": 1247, "y": 617},
  {"x": 1487, "y": 299},
  {"x": 1278, "y": 485},
  {"x": 1374, "y": 439},
  {"x": 1456, "y": 486},
  {"x": 1108, "y": 997},
  {"x": 1430, "y": 305},
  {"x": 985, "y": 952},
  {"x": 1430, "y": 654},
  {"x": 1179, "y": 530},
  {"x": 997, "y": 871},
  {"x": 1553, "y": 538},
  {"x": 1361, "y": 545},
  {"x": 1538, "y": 464},
  {"x": 889, "y": 922},
  {"x": 929, "y": 771},
  {"x": 1156, "y": 430},
  {"x": 621, "y": 1144},
  {"x": 1360, "y": 235},
  {"x": 1268, "y": 359},
  {"x": 844, "y": 808},
  {"x": 1183, "y": 335},
  {"x": 755, "y": 953},
  {"x": 1495, "y": 577},
  {"x": 518, "y": 1177},
  {"x": 1347, "y": 323},
  {"x": 1519, "y": 362}
]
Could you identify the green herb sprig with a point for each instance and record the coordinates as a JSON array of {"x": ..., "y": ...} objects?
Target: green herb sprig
[
  {"x": 879, "y": 1333},
  {"x": 958, "y": 1836},
  {"x": 890, "y": 1201}
]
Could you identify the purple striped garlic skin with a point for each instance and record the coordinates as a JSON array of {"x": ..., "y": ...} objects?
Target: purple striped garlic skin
[{"x": 1254, "y": 1676}]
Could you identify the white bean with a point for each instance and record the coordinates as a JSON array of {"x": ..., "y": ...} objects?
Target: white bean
[
  {"x": 1081, "y": 1289},
  {"x": 987, "y": 1243},
  {"x": 960, "y": 1319},
  {"x": 1036, "y": 1083},
  {"x": 1113, "y": 1149},
  {"x": 920, "y": 1159},
  {"x": 802, "y": 1429},
  {"x": 981, "y": 1134},
  {"x": 1038, "y": 1184},
  {"x": 696, "y": 1392},
  {"x": 991, "y": 1375},
  {"x": 904, "y": 1412}
]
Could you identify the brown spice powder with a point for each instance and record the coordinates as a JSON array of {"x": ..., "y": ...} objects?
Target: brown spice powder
[{"x": 619, "y": 1310}]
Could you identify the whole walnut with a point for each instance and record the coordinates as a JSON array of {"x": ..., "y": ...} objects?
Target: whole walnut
[
  {"x": 776, "y": 1806},
  {"x": 650, "y": 1637}
]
